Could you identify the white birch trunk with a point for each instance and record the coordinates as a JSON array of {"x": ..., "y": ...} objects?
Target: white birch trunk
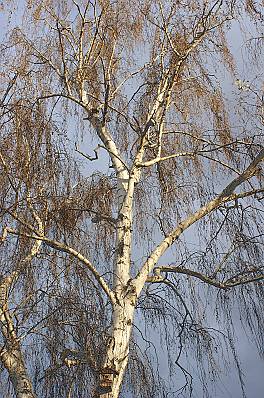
[
  {"x": 12, "y": 360},
  {"x": 116, "y": 359},
  {"x": 11, "y": 354}
]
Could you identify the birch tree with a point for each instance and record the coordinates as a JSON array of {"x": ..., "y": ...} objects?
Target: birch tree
[{"x": 131, "y": 194}]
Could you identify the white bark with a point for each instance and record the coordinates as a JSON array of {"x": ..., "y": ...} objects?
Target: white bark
[
  {"x": 226, "y": 195},
  {"x": 10, "y": 353},
  {"x": 12, "y": 360},
  {"x": 66, "y": 249},
  {"x": 116, "y": 359},
  {"x": 117, "y": 352},
  {"x": 110, "y": 146}
]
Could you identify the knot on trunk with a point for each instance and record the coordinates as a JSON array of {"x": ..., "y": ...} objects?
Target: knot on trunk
[
  {"x": 157, "y": 277},
  {"x": 24, "y": 386}
]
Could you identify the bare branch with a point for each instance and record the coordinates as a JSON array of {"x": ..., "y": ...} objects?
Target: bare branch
[
  {"x": 229, "y": 283},
  {"x": 227, "y": 195},
  {"x": 87, "y": 156},
  {"x": 67, "y": 249}
]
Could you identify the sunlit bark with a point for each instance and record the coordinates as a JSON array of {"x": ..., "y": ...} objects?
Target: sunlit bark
[
  {"x": 142, "y": 82},
  {"x": 11, "y": 354}
]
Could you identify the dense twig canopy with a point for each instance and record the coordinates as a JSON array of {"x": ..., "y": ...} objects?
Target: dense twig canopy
[{"x": 131, "y": 155}]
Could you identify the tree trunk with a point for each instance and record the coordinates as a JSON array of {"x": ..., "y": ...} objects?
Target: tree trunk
[
  {"x": 10, "y": 353},
  {"x": 112, "y": 373},
  {"x": 13, "y": 362}
]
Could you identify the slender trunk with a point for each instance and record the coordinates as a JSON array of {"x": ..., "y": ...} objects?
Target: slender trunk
[
  {"x": 12, "y": 360},
  {"x": 117, "y": 352},
  {"x": 11, "y": 354},
  {"x": 116, "y": 359}
]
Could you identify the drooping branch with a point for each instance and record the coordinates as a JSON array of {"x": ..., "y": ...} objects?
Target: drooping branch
[
  {"x": 11, "y": 354},
  {"x": 226, "y": 195},
  {"x": 161, "y": 104},
  {"x": 163, "y": 158},
  {"x": 231, "y": 282},
  {"x": 245, "y": 176},
  {"x": 69, "y": 250}
]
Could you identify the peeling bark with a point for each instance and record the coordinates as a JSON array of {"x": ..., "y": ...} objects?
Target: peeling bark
[{"x": 116, "y": 359}]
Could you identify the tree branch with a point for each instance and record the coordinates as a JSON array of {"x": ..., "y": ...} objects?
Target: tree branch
[
  {"x": 226, "y": 195},
  {"x": 232, "y": 282},
  {"x": 67, "y": 249}
]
